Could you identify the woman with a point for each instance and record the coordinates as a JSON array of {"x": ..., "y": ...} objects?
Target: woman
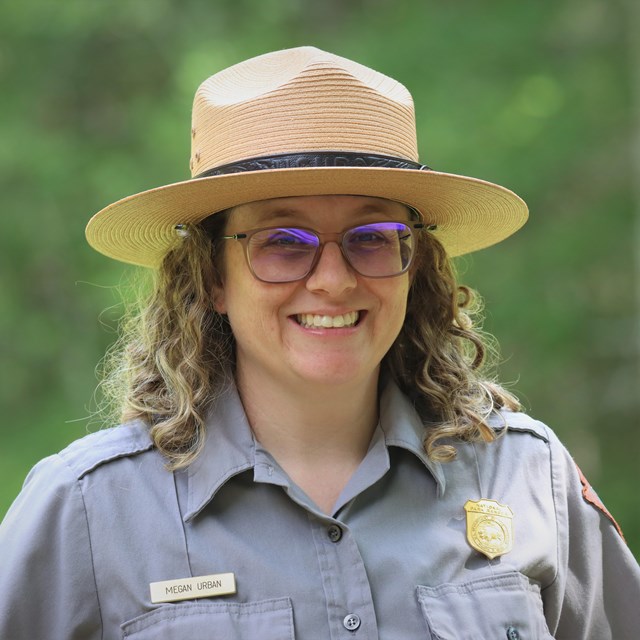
[{"x": 309, "y": 448}]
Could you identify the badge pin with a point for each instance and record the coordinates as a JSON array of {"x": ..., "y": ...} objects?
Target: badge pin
[
  {"x": 219, "y": 584},
  {"x": 489, "y": 527}
]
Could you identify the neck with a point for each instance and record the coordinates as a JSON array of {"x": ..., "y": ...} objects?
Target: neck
[
  {"x": 319, "y": 434},
  {"x": 310, "y": 422}
]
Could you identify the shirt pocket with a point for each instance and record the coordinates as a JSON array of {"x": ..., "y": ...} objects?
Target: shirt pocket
[
  {"x": 267, "y": 620},
  {"x": 505, "y": 606}
]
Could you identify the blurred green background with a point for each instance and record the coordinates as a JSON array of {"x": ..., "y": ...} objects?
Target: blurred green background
[{"x": 539, "y": 96}]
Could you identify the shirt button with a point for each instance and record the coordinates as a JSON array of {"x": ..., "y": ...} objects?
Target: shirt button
[
  {"x": 351, "y": 622},
  {"x": 334, "y": 532},
  {"x": 512, "y": 634}
]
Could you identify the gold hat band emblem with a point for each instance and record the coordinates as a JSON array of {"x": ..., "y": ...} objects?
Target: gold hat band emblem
[{"x": 489, "y": 527}]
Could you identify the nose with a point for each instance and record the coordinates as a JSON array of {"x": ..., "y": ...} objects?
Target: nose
[{"x": 331, "y": 274}]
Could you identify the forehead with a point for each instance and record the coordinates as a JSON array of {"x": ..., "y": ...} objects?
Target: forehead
[{"x": 310, "y": 210}]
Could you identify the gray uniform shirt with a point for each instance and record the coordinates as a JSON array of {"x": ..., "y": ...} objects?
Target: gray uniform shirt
[{"x": 97, "y": 523}]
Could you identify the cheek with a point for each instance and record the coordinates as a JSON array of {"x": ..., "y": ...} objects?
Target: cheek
[
  {"x": 254, "y": 309},
  {"x": 396, "y": 296},
  {"x": 227, "y": 294},
  {"x": 397, "y": 309},
  {"x": 238, "y": 302}
]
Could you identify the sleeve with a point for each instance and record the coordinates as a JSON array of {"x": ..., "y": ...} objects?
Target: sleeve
[
  {"x": 596, "y": 593},
  {"x": 46, "y": 569}
]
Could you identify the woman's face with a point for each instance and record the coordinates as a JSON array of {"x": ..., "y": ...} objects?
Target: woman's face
[{"x": 270, "y": 322}]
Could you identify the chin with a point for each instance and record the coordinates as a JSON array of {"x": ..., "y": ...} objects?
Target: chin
[{"x": 336, "y": 374}]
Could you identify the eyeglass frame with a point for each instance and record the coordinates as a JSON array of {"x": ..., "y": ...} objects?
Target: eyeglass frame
[{"x": 245, "y": 236}]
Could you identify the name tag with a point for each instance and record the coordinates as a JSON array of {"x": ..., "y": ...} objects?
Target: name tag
[{"x": 218, "y": 584}]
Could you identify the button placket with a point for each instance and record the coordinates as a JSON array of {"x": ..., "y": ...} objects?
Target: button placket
[{"x": 348, "y": 592}]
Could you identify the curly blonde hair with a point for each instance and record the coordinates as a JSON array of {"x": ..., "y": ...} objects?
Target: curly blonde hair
[{"x": 175, "y": 353}]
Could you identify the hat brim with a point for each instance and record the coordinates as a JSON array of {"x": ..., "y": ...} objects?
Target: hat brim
[{"x": 470, "y": 214}]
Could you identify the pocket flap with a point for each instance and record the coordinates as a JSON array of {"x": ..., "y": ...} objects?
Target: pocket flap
[
  {"x": 501, "y": 606},
  {"x": 267, "y": 619}
]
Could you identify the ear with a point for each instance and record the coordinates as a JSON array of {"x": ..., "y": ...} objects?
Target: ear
[{"x": 219, "y": 302}]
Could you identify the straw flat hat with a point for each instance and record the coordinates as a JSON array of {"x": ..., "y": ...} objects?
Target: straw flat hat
[{"x": 304, "y": 122}]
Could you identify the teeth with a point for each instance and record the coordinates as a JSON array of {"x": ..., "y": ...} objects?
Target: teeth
[{"x": 309, "y": 320}]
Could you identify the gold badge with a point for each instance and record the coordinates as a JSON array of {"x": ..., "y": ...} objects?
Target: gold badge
[{"x": 489, "y": 528}]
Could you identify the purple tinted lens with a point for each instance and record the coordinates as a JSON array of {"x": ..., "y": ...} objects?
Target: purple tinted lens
[
  {"x": 379, "y": 250},
  {"x": 283, "y": 254}
]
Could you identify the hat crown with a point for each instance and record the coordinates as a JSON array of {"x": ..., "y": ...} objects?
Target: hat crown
[
  {"x": 295, "y": 101},
  {"x": 303, "y": 122}
]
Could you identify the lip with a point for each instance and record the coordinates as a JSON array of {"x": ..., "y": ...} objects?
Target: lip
[{"x": 326, "y": 312}]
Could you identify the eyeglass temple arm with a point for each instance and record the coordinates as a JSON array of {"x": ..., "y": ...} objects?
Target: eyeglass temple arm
[{"x": 235, "y": 236}]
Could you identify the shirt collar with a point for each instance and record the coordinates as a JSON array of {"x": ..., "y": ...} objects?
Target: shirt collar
[
  {"x": 403, "y": 428},
  {"x": 230, "y": 447}
]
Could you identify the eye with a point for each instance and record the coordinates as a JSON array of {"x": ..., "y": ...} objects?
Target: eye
[
  {"x": 281, "y": 239},
  {"x": 367, "y": 236},
  {"x": 372, "y": 237}
]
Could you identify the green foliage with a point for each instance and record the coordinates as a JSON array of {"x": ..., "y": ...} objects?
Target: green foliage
[{"x": 96, "y": 100}]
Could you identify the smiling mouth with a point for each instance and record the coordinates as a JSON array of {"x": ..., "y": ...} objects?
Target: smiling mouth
[{"x": 311, "y": 321}]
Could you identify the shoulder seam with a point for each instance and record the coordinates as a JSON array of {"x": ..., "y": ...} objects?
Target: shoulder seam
[
  {"x": 88, "y": 454},
  {"x": 531, "y": 431},
  {"x": 520, "y": 423},
  {"x": 116, "y": 456}
]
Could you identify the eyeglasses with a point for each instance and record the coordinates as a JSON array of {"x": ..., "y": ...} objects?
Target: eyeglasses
[{"x": 288, "y": 254}]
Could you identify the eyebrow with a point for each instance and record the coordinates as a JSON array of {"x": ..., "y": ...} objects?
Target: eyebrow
[{"x": 280, "y": 212}]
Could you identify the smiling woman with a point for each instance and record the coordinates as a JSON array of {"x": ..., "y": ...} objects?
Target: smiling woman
[{"x": 311, "y": 441}]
